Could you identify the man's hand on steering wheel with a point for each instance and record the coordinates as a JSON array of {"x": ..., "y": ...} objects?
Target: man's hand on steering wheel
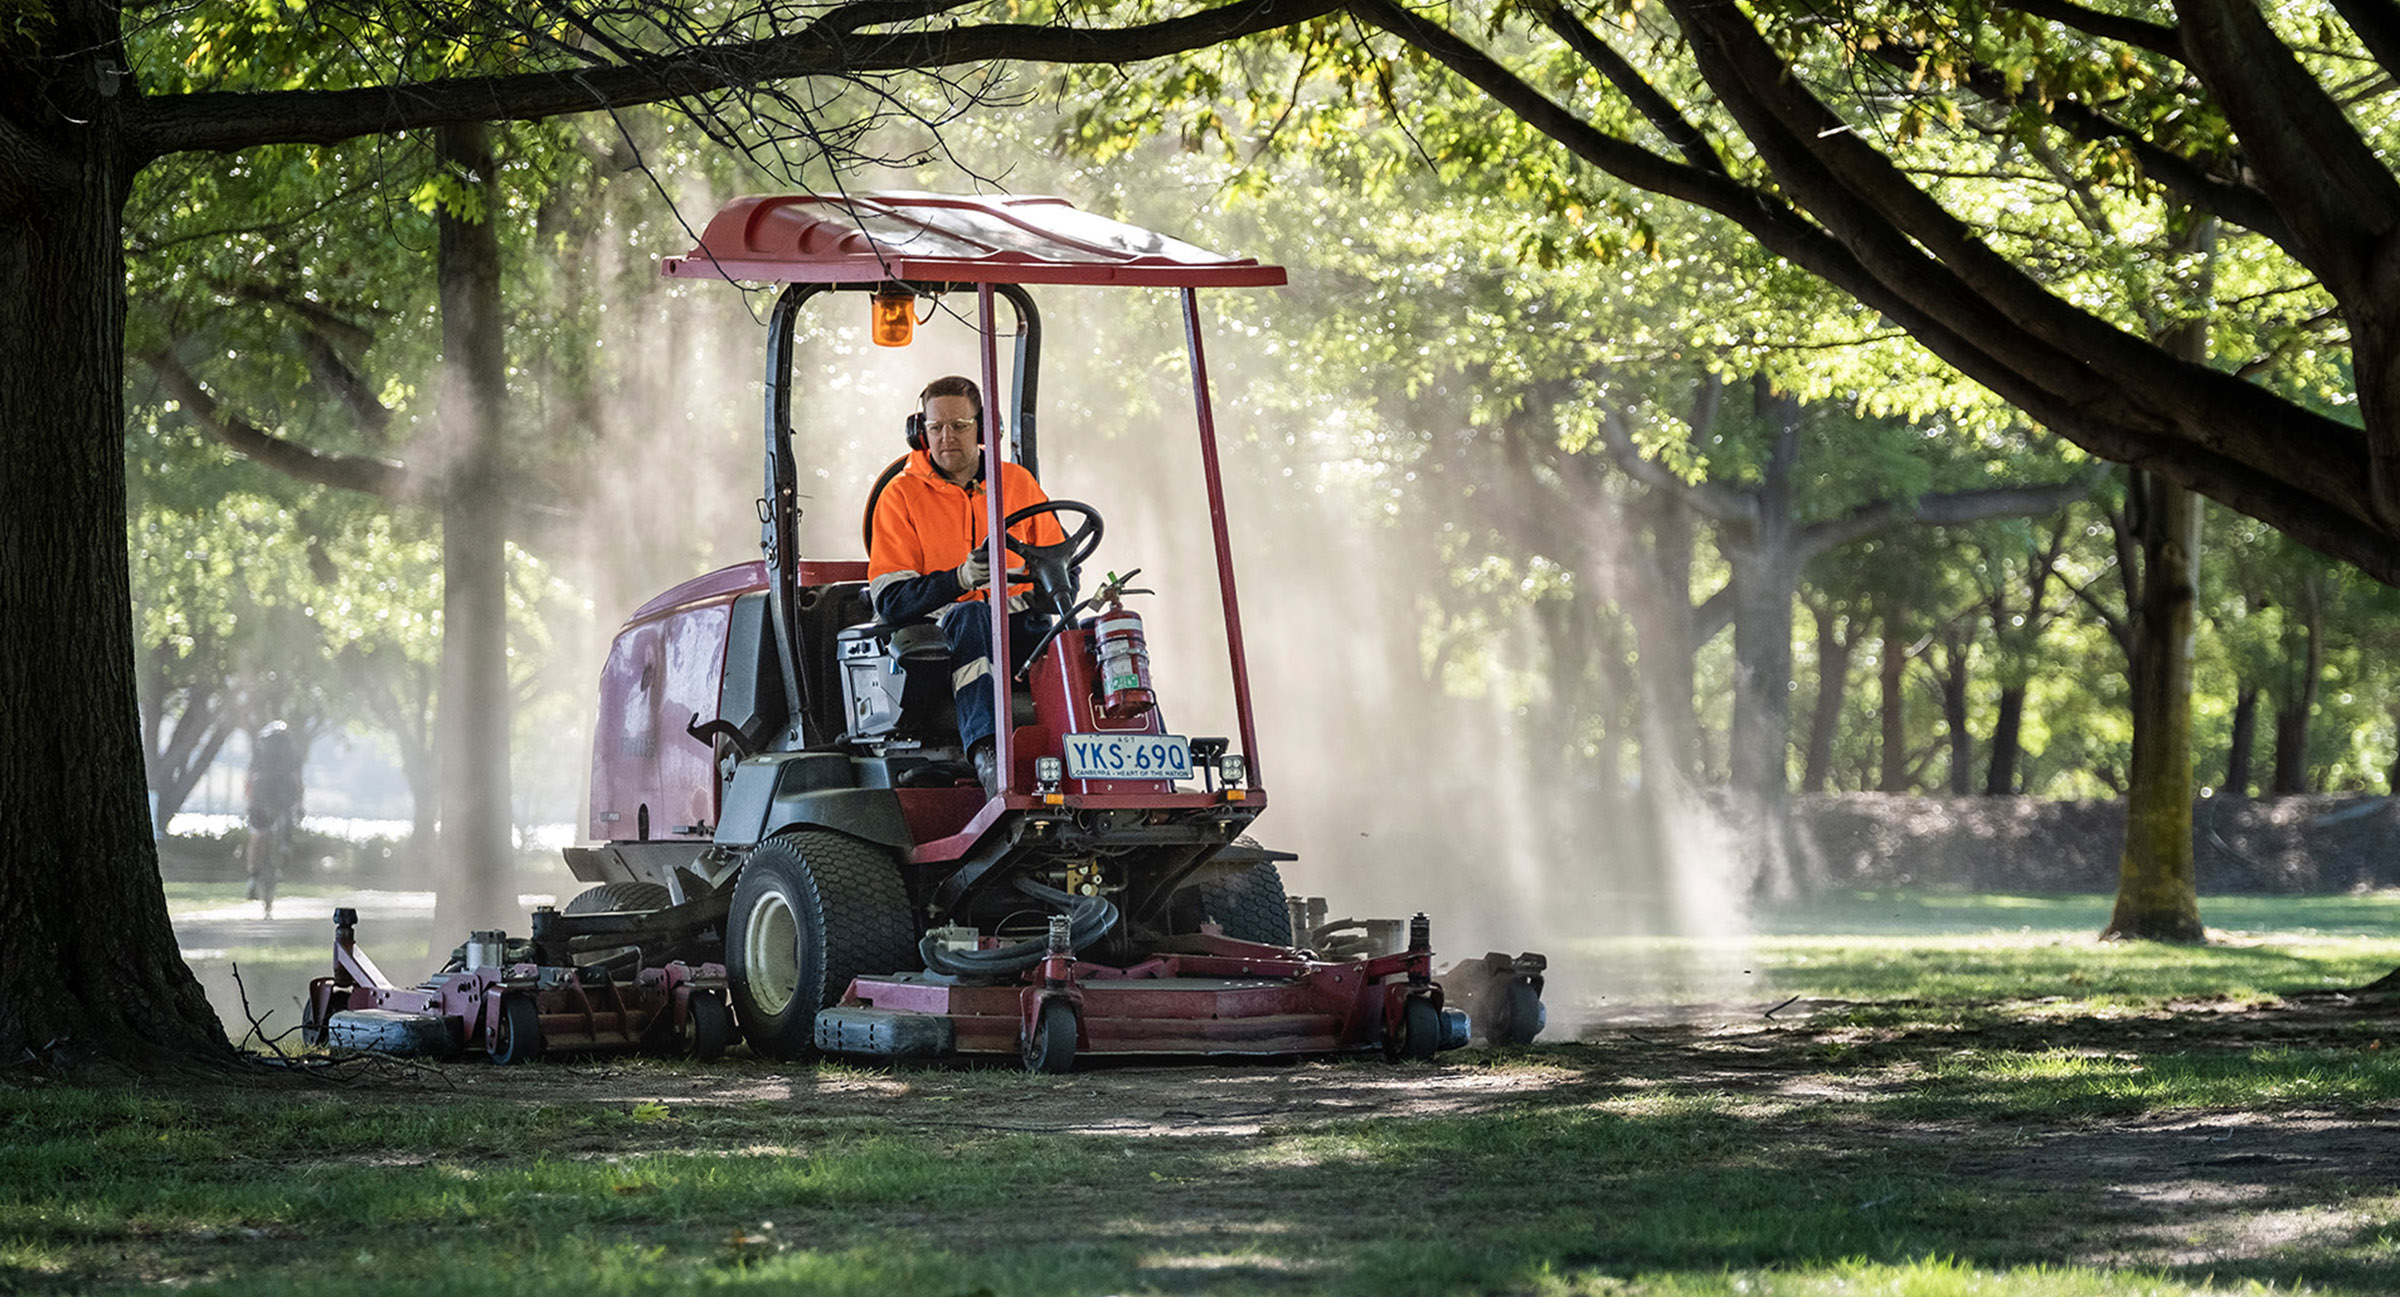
[{"x": 1052, "y": 568}]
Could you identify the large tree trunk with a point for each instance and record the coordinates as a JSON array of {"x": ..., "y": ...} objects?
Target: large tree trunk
[
  {"x": 2245, "y": 738},
  {"x": 471, "y": 729},
  {"x": 2157, "y": 890},
  {"x": 88, "y": 962}
]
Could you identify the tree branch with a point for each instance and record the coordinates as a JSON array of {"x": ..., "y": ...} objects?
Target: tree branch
[
  {"x": 378, "y": 477},
  {"x": 2339, "y": 197},
  {"x": 1946, "y": 508},
  {"x": 2130, "y": 401},
  {"x": 1716, "y": 500},
  {"x": 2377, "y": 23},
  {"x": 2158, "y": 38},
  {"x": 2188, "y": 180},
  {"x": 830, "y": 46},
  {"x": 1662, "y": 114},
  {"x": 1712, "y": 615}
]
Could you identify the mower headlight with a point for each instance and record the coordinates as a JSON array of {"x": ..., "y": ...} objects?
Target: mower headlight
[
  {"x": 1231, "y": 768},
  {"x": 1049, "y": 770}
]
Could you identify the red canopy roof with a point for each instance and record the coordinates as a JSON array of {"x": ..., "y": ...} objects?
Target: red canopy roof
[{"x": 947, "y": 238}]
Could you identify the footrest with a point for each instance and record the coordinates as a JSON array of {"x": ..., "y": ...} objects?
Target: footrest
[
  {"x": 882, "y": 1033},
  {"x": 388, "y": 1031}
]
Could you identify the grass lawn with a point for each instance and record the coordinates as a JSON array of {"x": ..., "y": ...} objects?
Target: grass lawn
[{"x": 2004, "y": 1107}]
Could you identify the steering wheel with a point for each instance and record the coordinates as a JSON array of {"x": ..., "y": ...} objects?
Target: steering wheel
[
  {"x": 1053, "y": 568},
  {"x": 1078, "y": 544}
]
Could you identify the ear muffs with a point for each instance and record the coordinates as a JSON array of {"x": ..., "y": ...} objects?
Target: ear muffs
[{"x": 916, "y": 430}]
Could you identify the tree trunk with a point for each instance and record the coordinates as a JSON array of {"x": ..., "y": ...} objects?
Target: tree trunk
[
  {"x": 2000, "y": 779},
  {"x": 1954, "y": 717},
  {"x": 2157, "y": 890},
  {"x": 2299, "y": 704},
  {"x": 88, "y": 967},
  {"x": 471, "y": 728},
  {"x": 2391, "y": 777},
  {"x": 1663, "y": 630},
  {"x": 1762, "y": 674},
  {"x": 1833, "y": 685},
  {"x": 179, "y": 745},
  {"x": 2245, "y": 737},
  {"x": 1891, "y": 680}
]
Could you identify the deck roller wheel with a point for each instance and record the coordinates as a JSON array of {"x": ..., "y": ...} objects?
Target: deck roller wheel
[
  {"x": 1420, "y": 1033},
  {"x": 1050, "y": 1050},
  {"x": 813, "y": 911},
  {"x": 517, "y": 1036},
  {"x": 1526, "y": 1016},
  {"x": 711, "y": 1027}
]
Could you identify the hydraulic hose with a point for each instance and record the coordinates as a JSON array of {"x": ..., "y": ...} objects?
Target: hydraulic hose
[{"x": 1089, "y": 918}]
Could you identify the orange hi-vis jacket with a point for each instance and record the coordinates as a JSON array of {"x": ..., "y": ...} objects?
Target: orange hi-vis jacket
[{"x": 926, "y": 525}]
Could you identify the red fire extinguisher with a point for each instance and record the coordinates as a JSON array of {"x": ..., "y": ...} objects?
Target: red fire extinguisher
[
  {"x": 1124, "y": 665},
  {"x": 1124, "y": 655}
]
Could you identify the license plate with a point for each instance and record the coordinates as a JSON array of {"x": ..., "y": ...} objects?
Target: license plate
[{"x": 1128, "y": 756}]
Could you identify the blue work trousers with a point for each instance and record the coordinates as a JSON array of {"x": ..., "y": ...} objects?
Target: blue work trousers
[{"x": 968, "y": 628}]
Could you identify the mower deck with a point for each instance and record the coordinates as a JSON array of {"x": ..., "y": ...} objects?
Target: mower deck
[
  {"x": 517, "y": 1011},
  {"x": 1217, "y": 996}
]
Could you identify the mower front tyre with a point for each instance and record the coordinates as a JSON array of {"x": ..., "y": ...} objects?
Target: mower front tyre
[{"x": 813, "y": 911}]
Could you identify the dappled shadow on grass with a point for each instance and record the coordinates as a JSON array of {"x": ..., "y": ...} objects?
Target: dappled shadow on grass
[{"x": 2154, "y": 1142}]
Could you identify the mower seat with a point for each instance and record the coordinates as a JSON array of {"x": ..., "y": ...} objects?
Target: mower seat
[{"x": 896, "y": 684}]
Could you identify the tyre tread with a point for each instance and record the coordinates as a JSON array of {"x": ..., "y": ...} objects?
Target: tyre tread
[
  {"x": 1249, "y": 906},
  {"x": 610, "y": 898}
]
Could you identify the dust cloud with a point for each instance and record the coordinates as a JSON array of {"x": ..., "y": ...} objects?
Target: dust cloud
[{"x": 1396, "y": 795}]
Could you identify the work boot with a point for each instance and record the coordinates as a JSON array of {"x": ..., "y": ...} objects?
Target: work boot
[{"x": 987, "y": 767}]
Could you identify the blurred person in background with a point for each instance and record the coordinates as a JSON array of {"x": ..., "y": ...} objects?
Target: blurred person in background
[{"x": 271, "y": 795}]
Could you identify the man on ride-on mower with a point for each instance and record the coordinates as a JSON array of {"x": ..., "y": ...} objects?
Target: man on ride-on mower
[{"x": 927, "y": 555}]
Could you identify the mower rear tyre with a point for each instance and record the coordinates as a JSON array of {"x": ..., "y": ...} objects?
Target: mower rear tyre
[
  {"x": 1249, "y": 906},
  {"x": 517, "y": 1036},
  {"x": 1051, "y": 1048},
  {"x": 813, "y": 910},
  {"x": 612, "y": 898},
  {"x": 712, "y": 1028}
]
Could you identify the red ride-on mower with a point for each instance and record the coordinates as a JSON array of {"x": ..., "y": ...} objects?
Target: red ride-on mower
[{"x": 778, "y": 785}]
